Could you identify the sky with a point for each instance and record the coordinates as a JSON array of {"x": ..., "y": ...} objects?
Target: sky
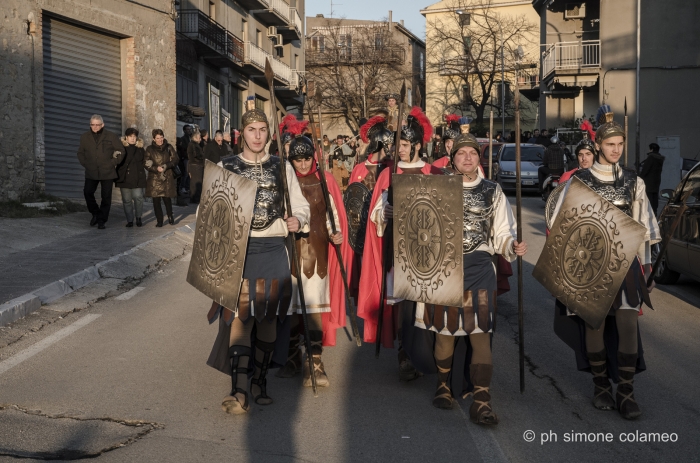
[{"x": 376, "y": 10}]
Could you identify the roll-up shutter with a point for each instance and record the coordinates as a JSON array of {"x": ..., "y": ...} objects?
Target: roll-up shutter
[{"x": 82, "y": 77}]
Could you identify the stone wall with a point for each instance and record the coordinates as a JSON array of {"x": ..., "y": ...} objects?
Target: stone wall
[{"x": 148, "y": 72}]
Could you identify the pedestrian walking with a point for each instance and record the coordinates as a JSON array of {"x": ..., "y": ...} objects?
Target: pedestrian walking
[
  {"x": 216, "y": 150},
  {"x": 160, "y": 160},
  {"x": 99, "y": 152},
  {"x": 651, "y": 174},
  {"x": 195, "y": 155},
  {"x": 131, "y": 178}
]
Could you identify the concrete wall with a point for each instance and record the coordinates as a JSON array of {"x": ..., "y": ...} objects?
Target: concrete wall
[{"x": 148, "y": 70}]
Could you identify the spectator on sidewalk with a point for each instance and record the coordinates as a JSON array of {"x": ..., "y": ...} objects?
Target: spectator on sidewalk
[
  {"x": 99, "y": 152},
  {"x": 227, "y": 143},
  {"x": 533, "y": 138},
  {"x": 131, "y": 178},
  {"x": 160, "y": 160},
  {"x": 182, "y": 143},
  {"x": 204, "y": 134},
  {"x": 195, "y": 155},
  {"x": 216, "y": 150},
  {"x": 651, "y": 174}
]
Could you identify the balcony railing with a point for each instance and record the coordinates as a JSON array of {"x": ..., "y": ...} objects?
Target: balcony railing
[
  {"x": 280, "y": 7},
  {"x": 256, "y": 56},
  {"x": 295, "y": 19},
  {"x": 571, "y": 56},
  {"x": 195, "y": 24},
  {"x": 355, "y": 55}
]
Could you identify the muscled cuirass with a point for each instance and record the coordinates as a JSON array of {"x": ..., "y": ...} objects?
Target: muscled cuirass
[
  {"x": 269, "y": 198},
  {"x": 621, "y": 193},
  {"x": 313, "y": 247},
  {"x": 479, "y": 203}
]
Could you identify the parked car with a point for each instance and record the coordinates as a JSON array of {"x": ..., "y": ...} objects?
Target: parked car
[
  {"x": 530, "y": 160},
  {"x": 683, "y": 252},
  {"x": 485, "y": 157}
]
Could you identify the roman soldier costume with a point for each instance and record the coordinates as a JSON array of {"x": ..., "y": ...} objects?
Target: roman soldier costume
[
  {"x": 417, "y": 130},
  {"x": 488, "y": 229},
  {"x": 451, "y": 131},
  {"x": 324, "y": 293},
  {"x": 266, "y": 291},
  {"x": 392, "y": 112},
  {"x": 614, "y": 350}
]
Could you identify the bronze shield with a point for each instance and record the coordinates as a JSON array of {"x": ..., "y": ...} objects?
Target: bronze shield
[
  {"x": 428, "y": 218},
  {"x": 588, "y": 253},
  {"x": 356, "y": 199},
  {"x": 551, "y": 204},
  {"x": 221, "y": 237}
]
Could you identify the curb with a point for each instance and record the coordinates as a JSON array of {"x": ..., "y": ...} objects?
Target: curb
[{"x": 132, "y": 264}]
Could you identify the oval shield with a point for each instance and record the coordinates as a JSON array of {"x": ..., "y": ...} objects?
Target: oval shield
[{"x": 356, "y": 199}]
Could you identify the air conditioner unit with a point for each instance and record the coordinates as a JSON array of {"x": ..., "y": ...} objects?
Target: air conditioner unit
[
  {"x": 575, "y": 11},
  {"x": 279, "y": 43},
  {"x": 271, "y": 31}
]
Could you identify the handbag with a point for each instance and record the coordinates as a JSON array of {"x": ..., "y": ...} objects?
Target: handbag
[{"x": 177, "y": 173}]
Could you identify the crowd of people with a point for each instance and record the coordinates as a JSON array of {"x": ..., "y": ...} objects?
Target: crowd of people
[{"x": 264, "y": 329}]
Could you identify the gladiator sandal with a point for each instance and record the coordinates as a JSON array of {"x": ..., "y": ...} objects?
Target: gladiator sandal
[
  {"x": 602, "y": 394},
  {"x": 293, "y": 365},
  {"x": 480, "y": 411},
  {"x": 443, "y": 394},
  {"x": 259, "y": 380},
  {"x": 407, "y": 372},
  {"x": 319, "y": 370},
  {"x": 232, "y": 403},
  {"x": 626, "y": 405}
]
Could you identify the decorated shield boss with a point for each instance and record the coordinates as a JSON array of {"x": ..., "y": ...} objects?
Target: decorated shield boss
[
  {"x": 428, "y": 218},
  {"x": 356, "y": 199},
  {"x": 588, "y": 253},
  {"x": 221, "y": 237}
]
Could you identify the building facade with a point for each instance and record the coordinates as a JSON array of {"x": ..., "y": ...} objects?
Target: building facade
[
  {"x": 63, "y": 61},
  {"x": 590, "y": 55},
  {"x": 355, "y": 63},
  {"x": 474, "y": 48},
  {"x": 222, "y": 46}
]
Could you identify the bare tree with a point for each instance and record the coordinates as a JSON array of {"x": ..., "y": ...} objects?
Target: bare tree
[
  {"x": 464, "y": 50},
  {"x": 354, "y": 66}
]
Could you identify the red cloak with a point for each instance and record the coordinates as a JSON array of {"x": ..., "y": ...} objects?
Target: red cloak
[
  {"x": 336, "y": 317},
  {"x": 371, "y": 277}
]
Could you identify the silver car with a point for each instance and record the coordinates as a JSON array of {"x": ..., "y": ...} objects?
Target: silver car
[{"x": 530, "y": 160}]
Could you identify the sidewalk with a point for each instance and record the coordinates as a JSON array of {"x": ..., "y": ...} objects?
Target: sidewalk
[{"x": 39, "y": 253}]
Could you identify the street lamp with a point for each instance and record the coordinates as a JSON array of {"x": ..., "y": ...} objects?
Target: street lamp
[{"x": 503, "y": 79}]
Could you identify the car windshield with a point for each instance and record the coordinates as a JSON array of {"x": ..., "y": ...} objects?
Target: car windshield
[{"x": 527, "y": 153}]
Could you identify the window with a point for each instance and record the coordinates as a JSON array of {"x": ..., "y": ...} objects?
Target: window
[
  {"x": 345, "y": 45},
  {"x": 258, "y": 38},
  {"x": 259, "y": 103},
  {"x": 244, "y": 29},
  {"x": 236, "y": 107},
  {"x": 187, "y": 86},
  {"x": 318, "y": 44},
  {"x": 378, "y": 41},
  {"x": 421, "y": 61},
  {"x": 465, "y": 19}
]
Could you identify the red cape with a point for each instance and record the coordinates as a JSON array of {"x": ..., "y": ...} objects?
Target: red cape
[
  {"x": 371, "y": 277},
  {"x": 336, "y": 317},
  {"x": 442, "y": 162}
]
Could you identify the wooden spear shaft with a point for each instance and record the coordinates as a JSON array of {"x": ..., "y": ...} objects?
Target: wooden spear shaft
[
  {"x": 519, "y": 220},
  {"x": 491, "y": 146}
]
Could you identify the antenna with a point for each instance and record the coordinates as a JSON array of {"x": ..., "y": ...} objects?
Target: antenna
[{"x": 332, "y": 7}]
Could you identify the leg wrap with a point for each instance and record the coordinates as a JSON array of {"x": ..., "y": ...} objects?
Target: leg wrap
[
  {"x": 263, "y": 354},
  {"x": 626, "y": 405},
  {"x": 602, "y": 394}
]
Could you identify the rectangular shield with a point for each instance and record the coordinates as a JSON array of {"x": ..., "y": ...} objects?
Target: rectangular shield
[
  {"x": 588, "y": 253},
  {"x": 428, "y": 221},
  {"x": 221, "y": 237}
]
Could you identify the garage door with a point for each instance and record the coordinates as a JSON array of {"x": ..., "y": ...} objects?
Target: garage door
[{"x": 82, "y": 77}]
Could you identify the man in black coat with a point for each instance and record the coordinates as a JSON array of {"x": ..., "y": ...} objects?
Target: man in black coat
[
  {"x": 181, "y": 145},
  {"x": 100, "y": 152},
  {"x": 651, "y": 174}
]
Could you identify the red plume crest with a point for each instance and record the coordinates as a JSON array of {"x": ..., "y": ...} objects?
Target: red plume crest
[
  {"x": 364, "y": 130},
  {"x": 450, "y": 118},
  {"x": 588, "y": 127},
  {"x": 297, "y": 128},
  {"x": 286, "y": 122},
  {"x": 419, "y": 116}
]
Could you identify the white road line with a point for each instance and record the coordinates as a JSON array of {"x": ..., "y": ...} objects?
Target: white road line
[
  {"x": 129, "y": 294},
  {"x": 31, "y": 351},
  {"x": 486, "y": 444}
]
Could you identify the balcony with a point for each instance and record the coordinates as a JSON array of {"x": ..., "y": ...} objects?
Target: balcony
[
  {"x": 255, "y": 58},
  {"x": 274, "y": 13},
  {"x": 354, "y": 55},
  {"x": 293, "y": 29},
  {"x": 211, "y": 40},
  {"x": 571, "y": 58},
  {"x": 253, "y": 4}
]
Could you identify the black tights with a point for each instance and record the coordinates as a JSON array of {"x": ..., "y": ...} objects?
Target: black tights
[{"x": 159, "y": 211}]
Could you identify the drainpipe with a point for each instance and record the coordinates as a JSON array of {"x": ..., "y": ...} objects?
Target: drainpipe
[
  {"x": 31, "y": 31},
  {"x": 639, "y": 114}
]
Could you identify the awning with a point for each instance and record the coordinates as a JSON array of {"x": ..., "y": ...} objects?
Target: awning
[{"x": 574, "y": 81}]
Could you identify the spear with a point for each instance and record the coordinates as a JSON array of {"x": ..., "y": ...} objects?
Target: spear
[
  {"x": 270, "y": 77},
  {"x": 491, "y": 146},
  {"x": 626, "y": 131},
  {"x": 388, "y": 257},
  {"x": 519, "y": 220},
  {"x": 326, "y": 196}
]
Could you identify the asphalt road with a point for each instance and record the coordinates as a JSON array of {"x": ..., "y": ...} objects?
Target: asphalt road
[{"x": 126, "y": 380}]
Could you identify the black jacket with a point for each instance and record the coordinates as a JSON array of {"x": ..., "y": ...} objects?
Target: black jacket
[
  {"x": 214, "y": 152},
  {"x": 130, "y": 171},
  {"x": 651, "y": 171},
  {"x": 100, "y": 154},
  {"x": 195, "y": 154},
  {"x": 160, "y": 184}
]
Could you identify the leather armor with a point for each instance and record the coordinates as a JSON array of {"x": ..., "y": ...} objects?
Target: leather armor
[
  {"x": 269, "y": 198},
  {"x": 313, "y": 247},
  {"x": 621, "y": 193},
  {"x": 479, "y": 204}
]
